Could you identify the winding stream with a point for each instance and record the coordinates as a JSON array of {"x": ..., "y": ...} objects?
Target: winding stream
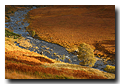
[{"x": 54, "y": 51}]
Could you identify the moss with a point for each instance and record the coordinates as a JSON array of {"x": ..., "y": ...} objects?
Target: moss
[
  {"x": 110, "y": 69},
  {"x": 86, "y": 55},
  {"x": 9, "y": 33}
]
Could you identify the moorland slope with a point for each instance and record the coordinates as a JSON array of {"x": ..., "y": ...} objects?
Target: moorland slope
[{"x": 69, "y": 26}]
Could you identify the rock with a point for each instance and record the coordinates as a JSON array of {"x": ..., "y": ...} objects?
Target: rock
[
  {"x": 67, "y": 57},
  {"x": 20, "y": 28},
  {"x": 57, "y": 59},
  {"x": 69, "y": 60},
  {"x": 74, "y": 60},
  {"x": 73, "y": 56},
  {"x": 48, "y": 51},
  {"x": 36, "y": 47},
  {"x": 33, "y": 49},
  {"x": 41, "y": 53},
  {"x": 58, "y": 56},
  {"x": 75, "y": 52},
  {"x": 51, "y": 49},
  {"x": 27, "y": 34},
  {"x": 47, "y": 48},
  {"x": 54, "y": 54}
]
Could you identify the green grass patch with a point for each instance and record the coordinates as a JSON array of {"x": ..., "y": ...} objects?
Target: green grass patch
[{"x": 9, "y": 33}]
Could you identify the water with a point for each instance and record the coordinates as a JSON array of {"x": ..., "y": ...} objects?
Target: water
[{"x": 54, "y": 51}]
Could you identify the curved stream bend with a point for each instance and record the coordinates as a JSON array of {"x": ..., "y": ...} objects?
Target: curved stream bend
[{"x": 51, "y": 50}]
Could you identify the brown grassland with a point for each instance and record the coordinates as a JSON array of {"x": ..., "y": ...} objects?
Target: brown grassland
[
  {"x": 24, "y": 64},
  {"x": 69, "y": 26}
]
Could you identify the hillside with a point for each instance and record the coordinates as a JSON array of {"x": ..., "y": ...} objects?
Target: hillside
[
  {"x": 24, "y": 64},
  {"x": 67, "y": 26}
]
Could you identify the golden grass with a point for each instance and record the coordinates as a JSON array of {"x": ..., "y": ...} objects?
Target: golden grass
[
  {"x": 19, "y": 61},
  {"x": 13, "y": 52},
  {"x": 9, "y": 74},
  {"x": 15, "y": 75},
  {"x": 110, "y": 69},
  {"x": 69, "y": 26},
  {"x": 83, "y": 68}
]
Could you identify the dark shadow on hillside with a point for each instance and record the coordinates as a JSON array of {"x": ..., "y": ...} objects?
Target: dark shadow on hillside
[
  {"x": 108, "y": 42},
  {"x": 98, "y": 46}
]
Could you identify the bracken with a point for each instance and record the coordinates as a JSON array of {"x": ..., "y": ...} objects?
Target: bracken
[{"x": 68, "y": 72}]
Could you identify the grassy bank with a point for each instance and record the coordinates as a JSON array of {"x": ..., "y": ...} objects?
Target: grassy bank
[
  {"x": 24, "y": 64},
  {"x": 9, "y": 33}
]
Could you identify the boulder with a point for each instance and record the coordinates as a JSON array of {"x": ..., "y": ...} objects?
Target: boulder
[{"x": 41, "y": 53}]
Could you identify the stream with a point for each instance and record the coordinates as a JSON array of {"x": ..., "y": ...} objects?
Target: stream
[{"x": 54, "y": 51}]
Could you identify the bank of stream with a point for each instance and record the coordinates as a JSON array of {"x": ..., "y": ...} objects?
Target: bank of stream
[{"x": 18, "y": 24}]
